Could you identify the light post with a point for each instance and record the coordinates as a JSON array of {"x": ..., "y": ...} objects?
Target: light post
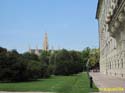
[
  {"x": 55, "y": 60},
  {"x": 90, "y": 77},
  {"x": 87, "y": 67}
]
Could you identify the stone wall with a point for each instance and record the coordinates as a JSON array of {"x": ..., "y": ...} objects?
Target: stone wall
[{"x": 111, "y": 19}]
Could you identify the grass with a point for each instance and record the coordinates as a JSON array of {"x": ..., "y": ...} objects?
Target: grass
[{"x": 63, "y": 84}]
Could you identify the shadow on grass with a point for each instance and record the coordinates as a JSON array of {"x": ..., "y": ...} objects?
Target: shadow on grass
[{"x": 26, "y": 81}]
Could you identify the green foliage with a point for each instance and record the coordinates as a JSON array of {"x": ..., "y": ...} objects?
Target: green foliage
[
  {"x": 92, "y": 55},
  {"x": 11, "y": 67},
  {"x": 66, "y": 62},
  {"x": 15, "y": 67},
  {"x": 30, "y": 56},
  {"x": 94, "y": 58},
  {"x": 77, "y": 61},
  {"x": 34, "y": 69},
  {"x": 44, "y": 57},
  {"x": 85, "y": 56}
]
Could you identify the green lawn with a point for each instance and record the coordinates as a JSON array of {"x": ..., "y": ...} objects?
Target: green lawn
[{"x": 63, "y": 84}]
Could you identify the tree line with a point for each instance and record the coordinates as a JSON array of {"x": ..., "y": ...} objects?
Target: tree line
[{"x": 16, "y": 67}]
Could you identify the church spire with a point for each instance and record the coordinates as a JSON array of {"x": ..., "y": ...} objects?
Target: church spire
[{"x": 45, "y": 42}]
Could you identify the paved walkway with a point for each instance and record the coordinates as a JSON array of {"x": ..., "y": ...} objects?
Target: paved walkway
[{"x": 108, "y": 84}]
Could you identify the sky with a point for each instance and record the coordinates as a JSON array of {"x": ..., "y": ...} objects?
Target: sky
[{"x": 70, "y": 24}]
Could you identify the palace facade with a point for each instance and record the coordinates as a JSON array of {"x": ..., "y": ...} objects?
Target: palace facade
[{"x": 111, "y": 22}]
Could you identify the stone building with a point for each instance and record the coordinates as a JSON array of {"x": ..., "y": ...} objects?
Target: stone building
[
  {"x": 35, "y": 51},
  {"x": 111, "y": 22},
  {"x": 45, "y": 46}
]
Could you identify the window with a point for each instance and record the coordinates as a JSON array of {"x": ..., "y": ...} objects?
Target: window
[
  {"x": 110, "y": 65},
  {"x": 122, "y": 65},
  {"x": 118, "y": 63},
  {"x": 115, "y": 64}
]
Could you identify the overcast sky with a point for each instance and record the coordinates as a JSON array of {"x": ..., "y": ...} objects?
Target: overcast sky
[{"x": 70, "y": 24}]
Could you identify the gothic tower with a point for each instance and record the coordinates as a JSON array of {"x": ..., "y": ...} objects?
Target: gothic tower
[{"x": 45, "y": 42}]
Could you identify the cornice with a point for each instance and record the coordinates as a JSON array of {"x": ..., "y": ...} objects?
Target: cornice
[{"x": 98, "y": 8}]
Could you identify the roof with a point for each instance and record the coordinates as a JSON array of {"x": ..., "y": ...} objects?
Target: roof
[
  {"x": 33, "y": 50},
  {"x": 98, "y": 8}
]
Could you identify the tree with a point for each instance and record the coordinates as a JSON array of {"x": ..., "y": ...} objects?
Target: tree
[
  {"x": 44, "y": 57},
  {"x": 85, "y": 57},
  {"x": 94, "y": 58},
  {"x": 15, "y": 67},
  {"x": 34, "y": 69},
  {"x": 30, "y": 56},
  {"x": 67, "y": 62},
  {"x": 77, "y": 61}
]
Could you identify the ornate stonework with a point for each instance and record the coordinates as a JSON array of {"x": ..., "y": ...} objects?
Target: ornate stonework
[{"x": 111, "y": 22}]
